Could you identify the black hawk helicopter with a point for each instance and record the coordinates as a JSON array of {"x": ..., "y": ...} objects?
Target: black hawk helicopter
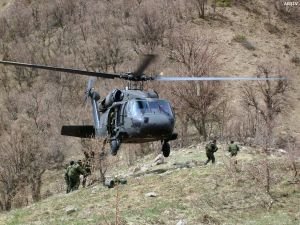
[{"x": 132, "y": 115}]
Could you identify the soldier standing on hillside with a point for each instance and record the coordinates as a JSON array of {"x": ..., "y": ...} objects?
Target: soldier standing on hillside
[
  {"x": 233, "y": 148},
  {"x": 67, "y": 179},
  {"x": 74, "y": 175},
  {"x": 211, "y": 148}
]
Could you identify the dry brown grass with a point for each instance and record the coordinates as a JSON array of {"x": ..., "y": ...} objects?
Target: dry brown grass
[{"x": 65, "y": 102}]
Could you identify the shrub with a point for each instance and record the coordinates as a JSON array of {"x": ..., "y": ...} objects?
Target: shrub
[
  {"x": 296, "y": 59},
  {"x": 223, "y": 3},
  {"x": 287, "y": 11},
  {"x": 244, "y": 42},
  {"x": 239, "y": 38},
  {"x": 272, "y": 28}
]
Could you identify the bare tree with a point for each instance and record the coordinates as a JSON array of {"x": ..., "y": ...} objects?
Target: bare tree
[
  {"x": 100, "y": 161},
  {"x": 267, "y": 98},
  {"x": 9, "y": 179},
  {"x": 200, "y": 6},
  {"x": 293, "y": 154},
  {"x": 15, "y": 159},
  {"x": 150, "y": 30},
  {"x": 287, "y": 9},
  {"x": 199, "y": 101}
]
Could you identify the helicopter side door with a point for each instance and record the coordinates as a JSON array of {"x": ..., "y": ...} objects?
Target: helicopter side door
[
  {"x": 111, "y": 121},
  {"x": 123, "y": 114},
  {"x": 115, "y": 119}
]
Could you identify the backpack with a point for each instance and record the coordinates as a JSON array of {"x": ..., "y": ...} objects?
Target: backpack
[{"x": 208, "y": 147}]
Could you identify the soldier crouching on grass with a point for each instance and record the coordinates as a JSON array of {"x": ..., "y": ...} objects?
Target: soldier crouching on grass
[{"x": 211, "y": 148}]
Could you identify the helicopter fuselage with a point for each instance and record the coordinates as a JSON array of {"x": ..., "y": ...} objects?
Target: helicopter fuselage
[{"x": 139, "y": 117}]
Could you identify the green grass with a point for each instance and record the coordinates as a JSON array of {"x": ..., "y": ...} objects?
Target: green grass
[
  {"x": 203, "y": 194},
  {"x": 17, "y": 217}
]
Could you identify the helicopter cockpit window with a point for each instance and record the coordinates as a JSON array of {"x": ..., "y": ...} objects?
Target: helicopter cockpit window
[
  {"x": 160, "y": 106},
  {"x": 142, "y": 106},
  {"x": 138, "y": 107}
]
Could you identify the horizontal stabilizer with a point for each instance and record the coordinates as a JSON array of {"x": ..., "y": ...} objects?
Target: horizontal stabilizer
[{"x": 78, "y": 131}]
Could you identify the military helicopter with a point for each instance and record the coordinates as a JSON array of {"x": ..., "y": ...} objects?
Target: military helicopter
[{"x": 131, "y": 115}]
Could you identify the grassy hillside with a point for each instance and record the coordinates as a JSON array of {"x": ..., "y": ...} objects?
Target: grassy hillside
[
  {"x": 212, "y": 194},
  {"x": 80, "y": 34}
]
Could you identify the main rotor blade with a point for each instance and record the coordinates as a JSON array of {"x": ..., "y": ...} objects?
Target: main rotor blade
[
  {"x": 65, "y": 70},
  {"x": 160, "y": 78},
  {"x": 145, "y": 63}
]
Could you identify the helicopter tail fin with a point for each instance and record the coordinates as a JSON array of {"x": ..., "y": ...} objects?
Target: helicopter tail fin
[
  {"x": 78, "y": 131},
  {"x": 95, "y": 97}
]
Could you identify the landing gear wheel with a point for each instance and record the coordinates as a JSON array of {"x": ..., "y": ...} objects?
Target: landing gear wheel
[
  {"x": 114, "y": 146},
  {"x": 166, "y": 149}
]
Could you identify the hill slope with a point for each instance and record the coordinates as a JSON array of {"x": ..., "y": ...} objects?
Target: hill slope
[
  {"x": 191, "y": 192},
  {"x": 199, "y": 195}
]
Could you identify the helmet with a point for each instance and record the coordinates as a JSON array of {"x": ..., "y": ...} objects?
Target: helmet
[
  {"x": 72, "y": 162},
  {"x": 79, "y": 161}
]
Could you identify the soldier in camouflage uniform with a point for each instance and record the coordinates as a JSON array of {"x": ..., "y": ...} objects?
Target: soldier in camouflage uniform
[
  {"x": 67, "y": 176},
  {"x": 211, "y": 148},
  {"x": 233, "y": 148},
  {"x": 74, "y": 175}
]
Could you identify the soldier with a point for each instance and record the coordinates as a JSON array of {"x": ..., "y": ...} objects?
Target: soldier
[
  {"x": 67, "y": 176},
  {"x": 160, "y": 159},
  {"x": 211, "y": 148},
  {"x": 87, "y": 168},
  {"x": 233, "y": 148},
  {"x": 74, "y": 175}
]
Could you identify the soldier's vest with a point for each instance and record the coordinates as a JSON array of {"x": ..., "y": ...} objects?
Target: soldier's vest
[
  {"x": 87, "y": 167},
  {"x": 210, "y": 148},
  {"x": 233, "y": 148},
  {"x": 73, "y": 171},
  {"x": 68, "y": 169}
]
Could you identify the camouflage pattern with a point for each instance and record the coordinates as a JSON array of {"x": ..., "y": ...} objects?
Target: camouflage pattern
[
  {"x": 233, "y": 149},
  {"x": 74, "y": 175},
  {"x": 211, "y": 148},
  {"x": 67, "y": 179}
]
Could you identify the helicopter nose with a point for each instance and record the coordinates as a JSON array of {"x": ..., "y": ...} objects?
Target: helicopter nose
[{"x": 158, "y": 125}]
